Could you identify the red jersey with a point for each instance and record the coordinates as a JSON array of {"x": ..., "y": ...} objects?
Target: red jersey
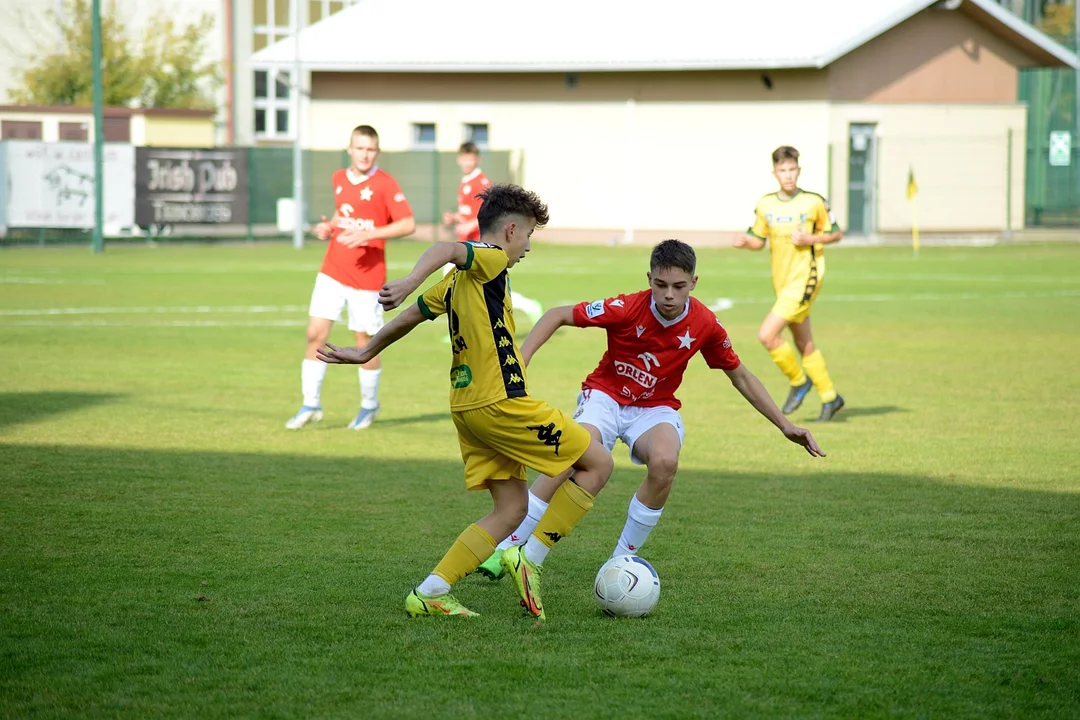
[
  {"x": 375, "y": 200},
  {"x": 468, "y": 204},
  {"x": 647, "y": 355}
]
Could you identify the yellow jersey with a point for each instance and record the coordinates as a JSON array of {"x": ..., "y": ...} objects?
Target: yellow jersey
[
  {"x": 775, "y": 220},
  {"x": 475, "y": 297}
]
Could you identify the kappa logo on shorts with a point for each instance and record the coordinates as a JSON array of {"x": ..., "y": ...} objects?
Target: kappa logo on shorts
[
  {"x": 553, "y": 536},
  {"x": 547, "y": 434}
]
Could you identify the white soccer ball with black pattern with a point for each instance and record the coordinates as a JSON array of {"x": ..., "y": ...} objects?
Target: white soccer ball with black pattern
[{"x": 627, "y": 586}]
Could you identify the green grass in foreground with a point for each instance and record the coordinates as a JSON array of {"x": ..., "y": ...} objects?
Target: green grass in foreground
[{"x": 168, "y": 549}]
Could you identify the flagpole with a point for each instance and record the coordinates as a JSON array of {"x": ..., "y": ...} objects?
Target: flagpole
[
  {"x": 915, "y": 226},
  {"x": 912, "y": 196}
]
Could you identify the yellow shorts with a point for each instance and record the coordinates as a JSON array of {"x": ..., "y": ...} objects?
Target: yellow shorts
[
  {"x": 500, "y": 440},
  {"x": 793, "y": 301}
]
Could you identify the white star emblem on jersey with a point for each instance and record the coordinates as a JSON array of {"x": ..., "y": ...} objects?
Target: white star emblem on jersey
[
  {"x": 685, "y": 340},
  {"x": 366, "y": 194}
]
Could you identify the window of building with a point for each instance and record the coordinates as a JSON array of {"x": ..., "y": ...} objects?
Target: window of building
[
  {"x": 20, "y": 129},
  {"x": 319, "y": 9},
  {"x": 74, "y": 131},
  {"x": 424, "y": 136},
  {"x": 261, "y": 84},
  {"x": 273, "y": 103},
  {"x": 477, "y": 133}
]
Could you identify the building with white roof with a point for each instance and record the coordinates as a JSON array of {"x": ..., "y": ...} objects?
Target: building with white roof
[{"x": 658, "y": 119}]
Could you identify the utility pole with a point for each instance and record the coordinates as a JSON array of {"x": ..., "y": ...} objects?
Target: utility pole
[
  {"x": 298, "y": 152},
  {"x": 99, "y": 130}
]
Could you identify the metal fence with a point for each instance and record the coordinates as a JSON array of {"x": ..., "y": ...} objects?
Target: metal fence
[
  {"x": 1052, "y": 196},
  {"x": 428, "y": 178}
]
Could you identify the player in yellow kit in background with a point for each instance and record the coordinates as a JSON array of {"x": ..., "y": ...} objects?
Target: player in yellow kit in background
[{"x": 797, "y": 225}]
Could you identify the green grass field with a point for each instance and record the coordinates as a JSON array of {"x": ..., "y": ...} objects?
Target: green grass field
[{"x": 167, "y": 549}]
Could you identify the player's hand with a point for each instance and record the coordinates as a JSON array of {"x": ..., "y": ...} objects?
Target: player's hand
[
  {"x": 802, "y": 436},
  {"x": 739, "y": 241},
  {"x": 354, "y": 238},
  {"x": 448, "y": 218},
  {"x": 394, "y": 292},
  {"x": 322, "y": 230},
  {"x": 343, "y": 355},
  {"x": 801, "y": 237}
]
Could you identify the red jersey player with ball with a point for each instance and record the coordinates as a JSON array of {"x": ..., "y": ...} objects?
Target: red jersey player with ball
[
  {"x": 369, "y": 210},
  {"x": 630, "y": 396}
]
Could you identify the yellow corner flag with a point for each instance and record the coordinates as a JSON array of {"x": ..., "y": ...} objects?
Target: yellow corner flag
[{"x": 912, "y": 191}]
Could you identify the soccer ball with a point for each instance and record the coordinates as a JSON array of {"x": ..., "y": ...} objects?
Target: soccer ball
[{"x": 627, "y": 586}]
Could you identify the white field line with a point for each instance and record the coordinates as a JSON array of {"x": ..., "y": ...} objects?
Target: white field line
[
  {"x": 159, "y": 324},
  {"x": 717, "y": 305},
  {"x": 727, "y": 303},
  {"x": 193, "y": 310}
]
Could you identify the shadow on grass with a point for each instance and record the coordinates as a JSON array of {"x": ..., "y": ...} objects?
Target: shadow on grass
[
  {"x": 412, "y": 419},
  {"x": 125, "y": 569},
  {"x": 853, "y": 412},
  {"x": 27, "y": 407}
]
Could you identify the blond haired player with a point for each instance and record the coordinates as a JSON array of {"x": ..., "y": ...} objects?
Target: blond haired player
[
  {"x": 797, "y": 226},
  {"x": 501, "y": 430},
  {"x": 369, "y": 209}
]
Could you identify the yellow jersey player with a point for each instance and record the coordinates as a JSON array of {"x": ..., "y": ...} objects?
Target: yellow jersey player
[
  {"x": 501, "y": 430},
  {"x": 797, "y": 225}
]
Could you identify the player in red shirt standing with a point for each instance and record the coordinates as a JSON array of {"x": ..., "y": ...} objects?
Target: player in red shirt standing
[
  {"x": 630, "y": 396},
  {"x": 466, "y": 227},
  {"x": 369, "y": 210}
]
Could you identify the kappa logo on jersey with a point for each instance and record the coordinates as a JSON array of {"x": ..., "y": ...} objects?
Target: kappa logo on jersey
[
  {"x": 641, "y": 330},
  {"x": 641, "y": 377},
  {"x": 548, "y": 435},
  {"x": 595, "y": 309}
]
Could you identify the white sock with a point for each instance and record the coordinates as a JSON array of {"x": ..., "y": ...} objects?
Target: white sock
[
  {"x": 537, "y": 507},
  {"x": 312, "y": 373},
  {"x": 535, "y": 550},
  {"x": 433, "y": 586},
  {"x": 526, "y": 305},
  {"x": 369, "y": 388},
  {"x": 640, "y": 520}
]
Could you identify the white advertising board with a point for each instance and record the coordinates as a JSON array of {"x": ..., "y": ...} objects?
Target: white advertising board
[{"x": 51, "y": 185}]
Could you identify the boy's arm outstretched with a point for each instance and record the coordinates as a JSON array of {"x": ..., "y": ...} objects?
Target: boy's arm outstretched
[
  {"x": 542, "y": 331},
  {"x": 393, "y": 331},
  {"x": 755, "y": 393},
  {"x": 395, "y": 291}
]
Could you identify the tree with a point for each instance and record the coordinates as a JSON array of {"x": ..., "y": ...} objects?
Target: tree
[{"x": 167, "y": 70}]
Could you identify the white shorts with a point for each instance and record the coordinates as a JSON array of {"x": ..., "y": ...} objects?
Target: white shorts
[
  {"x": 623, "y": 422},
  {"x": 330, "y": 297}
]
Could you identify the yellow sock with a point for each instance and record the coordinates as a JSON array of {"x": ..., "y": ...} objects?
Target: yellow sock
[
  {"x": 784, "y": 357},
  {"x": 815, "y": 368},
  {"x": 472, "y": 547},
  {"x": 568, "y": 505}
]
